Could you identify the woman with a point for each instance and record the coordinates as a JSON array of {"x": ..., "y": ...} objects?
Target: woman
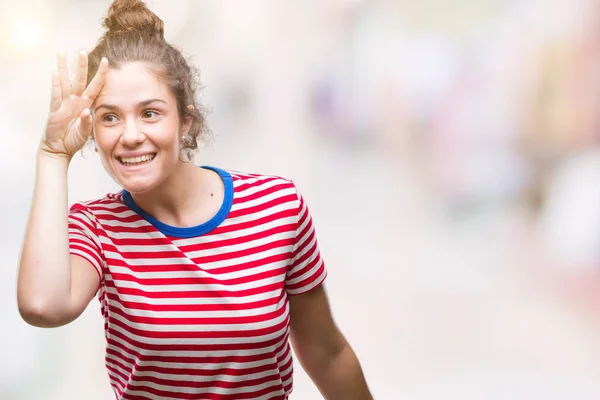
[{"x": 203, "y": 275}]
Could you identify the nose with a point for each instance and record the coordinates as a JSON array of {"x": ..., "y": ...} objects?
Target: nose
[{"x": 132, "y": 135}]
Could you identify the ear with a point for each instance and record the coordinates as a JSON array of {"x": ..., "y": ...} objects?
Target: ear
[{"x": 187, "y": 121}]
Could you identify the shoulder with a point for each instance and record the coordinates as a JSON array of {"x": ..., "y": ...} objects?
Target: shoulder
[
  {"x": 269, "y": 188},
  {"x": 243, "y": 181},
  {"x": 254, "y": 178},
  {"x": 111, "y": 202}
]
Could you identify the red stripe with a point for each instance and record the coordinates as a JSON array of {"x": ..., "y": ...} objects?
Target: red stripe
[
  {"x": 263, "y": 206},
  {"x": 159, "y": 320},
  {"x": 198, "y": 280},
  {"x": 198, "y": 334},
  {"x": 237, "y": 346},
  {"x": 244, "y": 198},
  {"x": 177, "y": 254},
  {"x": 250, "y": 305},
  {"x": 242, "y": 187},
  {"x": 279, "y": 229},
  {"x": 197, "y": 293}
]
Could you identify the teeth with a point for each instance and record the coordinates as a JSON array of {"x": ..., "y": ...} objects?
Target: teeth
[{"x": 139, "y": 159}]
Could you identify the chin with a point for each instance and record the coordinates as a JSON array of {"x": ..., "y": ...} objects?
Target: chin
[
  {"x": 139, "y": 187},
  {"x": 140, "y": 181}
]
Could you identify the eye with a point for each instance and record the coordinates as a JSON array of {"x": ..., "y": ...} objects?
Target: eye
[
  {"x": 149, "y": 114},
  {"x": 109, "y": 118}
]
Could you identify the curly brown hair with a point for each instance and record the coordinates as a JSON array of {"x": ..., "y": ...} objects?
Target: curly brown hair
[{"x": 135, "y": 33}]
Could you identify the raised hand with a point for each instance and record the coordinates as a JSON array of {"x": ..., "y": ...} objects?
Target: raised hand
[{"x": 70, "y": 120}]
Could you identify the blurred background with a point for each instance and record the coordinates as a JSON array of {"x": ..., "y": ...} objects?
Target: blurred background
[{"x": 449, "y": 151}]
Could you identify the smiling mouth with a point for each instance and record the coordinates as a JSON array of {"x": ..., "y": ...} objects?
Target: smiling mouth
[{"x": 134, "y": 161}]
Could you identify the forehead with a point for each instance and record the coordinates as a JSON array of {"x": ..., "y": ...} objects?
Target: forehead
[{"x": 130, "y": 84}]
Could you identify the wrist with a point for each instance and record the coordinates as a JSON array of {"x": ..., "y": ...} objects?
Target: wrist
[
  {"x": 46, "y": 154},
  {"x": 52, "y": 163}
]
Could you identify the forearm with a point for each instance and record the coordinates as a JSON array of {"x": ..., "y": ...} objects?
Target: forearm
[
  {"x": 340, "y": 376},
  {"x": 44, "y": 271}
]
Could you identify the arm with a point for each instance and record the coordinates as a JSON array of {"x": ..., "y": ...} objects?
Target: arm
[
  {"x": 323, "y": 351},
  {"x": 53, "y": 287}
]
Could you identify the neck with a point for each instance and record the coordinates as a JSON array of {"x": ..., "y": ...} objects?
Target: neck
[{"x": 176, "y": 200}]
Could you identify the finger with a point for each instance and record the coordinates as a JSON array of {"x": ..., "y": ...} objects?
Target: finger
[
  {"x": 80, "y": 74},
  {"x": 98, "y": 81},
  {"x": 55, "y": 96},
  {"x": 63, "y": 72},
  {"x": 85, "y": 123}
]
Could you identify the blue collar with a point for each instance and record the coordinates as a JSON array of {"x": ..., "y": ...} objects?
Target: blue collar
[{"x": 192, "y": 231}]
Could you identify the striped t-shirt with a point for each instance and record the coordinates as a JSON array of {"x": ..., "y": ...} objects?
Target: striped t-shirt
[{"x": 201, "y": 312}]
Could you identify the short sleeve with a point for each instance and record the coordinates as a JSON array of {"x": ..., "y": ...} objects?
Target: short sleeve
[
  {"x": 307, "y": 269},
  {"x": 83, "y": 237}
]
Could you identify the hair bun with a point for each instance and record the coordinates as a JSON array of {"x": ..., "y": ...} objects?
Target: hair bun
[{"x": 132, "y": 15}]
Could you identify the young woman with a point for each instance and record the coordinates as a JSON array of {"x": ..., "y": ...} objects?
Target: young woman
[{"x": 204, "y": 276}]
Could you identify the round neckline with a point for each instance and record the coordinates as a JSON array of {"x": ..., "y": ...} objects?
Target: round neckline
[{"x": 191, "y": 231}]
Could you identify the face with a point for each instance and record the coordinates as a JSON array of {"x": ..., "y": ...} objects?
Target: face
[{"x": 137, "y": 128}]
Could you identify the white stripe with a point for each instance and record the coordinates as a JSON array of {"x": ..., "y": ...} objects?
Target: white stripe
[
  {"x": 148, "y": 248},
  {"x": 137, "y": 223},
  {"x": 147, "y": 261},
  {"x": 79, "y": 235},
  {"x": 192, "y": 300},
  {"x": 208, "y": 378},
  {"x": 108, "y": 203},
  {"x": 200, "y": 287},
  {"x": 125, "y": 213},
  {"x": 135, "y": 235}
]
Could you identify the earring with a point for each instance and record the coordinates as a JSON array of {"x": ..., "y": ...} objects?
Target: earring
[{"x": 184, "y": 139}]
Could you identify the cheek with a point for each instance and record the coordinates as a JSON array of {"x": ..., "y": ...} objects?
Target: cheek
[
  {"x": 165, "y": 137},
  {"x": 104, "y": 142}
]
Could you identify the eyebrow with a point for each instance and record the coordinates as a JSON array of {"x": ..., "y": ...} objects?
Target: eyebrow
[{"x": 138, "y": 105}]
